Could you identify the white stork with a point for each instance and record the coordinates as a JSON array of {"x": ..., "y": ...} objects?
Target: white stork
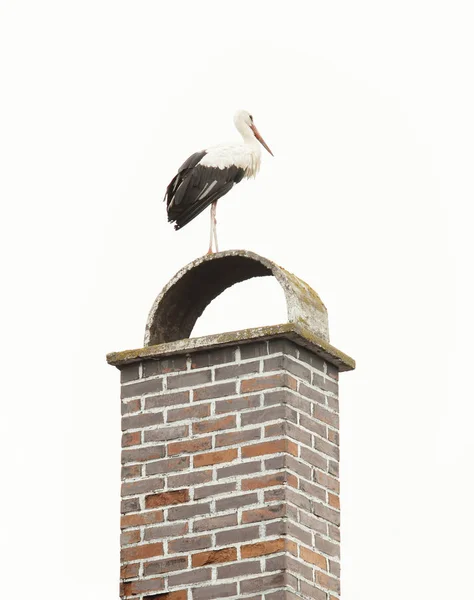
[{"x": 207, "y": 175}]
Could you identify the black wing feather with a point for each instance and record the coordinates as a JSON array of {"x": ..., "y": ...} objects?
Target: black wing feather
[{"x": 186, "y": 195}]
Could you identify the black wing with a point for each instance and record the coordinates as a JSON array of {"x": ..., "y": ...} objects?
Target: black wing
[{"x": 195, "y": 187}]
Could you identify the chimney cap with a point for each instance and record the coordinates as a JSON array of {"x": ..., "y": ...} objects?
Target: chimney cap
[
  {"x": 185, "y": 297},
  {"x": 193, "y": 288}
]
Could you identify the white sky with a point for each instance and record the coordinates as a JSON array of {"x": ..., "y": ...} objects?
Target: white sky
[{"x": 368, "y": 108}]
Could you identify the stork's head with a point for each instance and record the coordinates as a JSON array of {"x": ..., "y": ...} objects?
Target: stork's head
[{"x": 243, "y": 120}]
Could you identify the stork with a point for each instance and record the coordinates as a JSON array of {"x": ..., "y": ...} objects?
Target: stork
[{"x": 207, "y": 175}]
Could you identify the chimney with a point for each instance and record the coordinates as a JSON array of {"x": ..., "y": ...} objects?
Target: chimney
[{"x": 230, "y": 447}]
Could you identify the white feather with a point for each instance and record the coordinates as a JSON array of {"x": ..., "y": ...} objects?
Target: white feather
[
  {"x": 245, "y": 155},
  {"x": 242, "y": 155}
]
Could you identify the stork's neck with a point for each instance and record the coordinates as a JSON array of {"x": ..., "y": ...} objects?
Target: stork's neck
[{"x": 248, "y": 136}]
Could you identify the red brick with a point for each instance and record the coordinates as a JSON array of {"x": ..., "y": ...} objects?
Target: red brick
[
  {"x": 189, "y": 446},
  {"x": 272, "y": 447},
  {"x": 140, "y": 388},
  {"x": 326, "y": 448},
  {"x": 328, "y": 547},
  {"x": 186, "y": 511},
  {"x": 142, "y": 551},
  {"x": 142, "y": 454},
  {"x": 210, "y": 425},
  {"x": 236, "y": 501},
  {"x": 168, "y": 465},
  {"x": 218, "y": 522},
  {"x": 327, "y": 481},
  {"x": 257, "y": 384},
  {"x": 270, "y": 413},
  {"x": 142, "y": 486},
  {"x": 312, "y": 394},
  {"x": 312, "y": 592},
  {"x": 130, "y": 537},
  {"x": 197, "y": 411},
  {"x": 245, "y": 468},
  {"x": 131, "y": 471},
  {"x": 236, "y": 535},
  {"x": 262, "y": 548},
  {"x": 313, "y": 425},
  {"x": 129, "y": 571},
  {"x": 214, "y": 556},
  {"x": 313, "y": 557},
  {"x": 214, "y": 458},
  {"x": 164, "y": 365},
  {"x": 176, "y": 563},
  {"x": 188, "y": 544},
  {"x": 189, "y": 379},
  {"x": 292, "y": 547},
  {"x": 314, "y": 458},
  {"x": 263, "y": 514},
  {"x": 327, "y": 581},
  {"x": 187, "y": 577},
  {"x": 276, "y": 429},
  {"x": 292, "y": 480},
  {"x": 129, "y": 373},
  {"x": 240, "y": 569},
  {"x": 142, "y": 420},
  {"x": 329, "y": 514},
  {"x": 209, "y": 358},
  {"x": 274, "y": 494},
  {"x": 261, "y": 584},
  {"x": 313, "y": 490},
  {"x": 278, "y": 528},
  {"x": 325, "y": 416},
  {"x": 214, "y": 490},
  {"x": 165, "y": 531},
  {"x": 333, "y": 500},
  {"x": 167, "y": 400},
  {"x": 164, "y": 434},
  {"x": 265, "y": 481},
  {"x": 167, "y": 498},
  {"x": 142, "y": 518},
  {"x": 253, "y": 350},
  {"x": 234, "y": 371},
  {"x": 215, "y": 592},
  {"x": 334, "y": 533},
  {"x": 133, "y": 588},
  {"x": 237, "y": 437},
  {"x": 219, "y": 390},
  {"x": 179, "y": 595},
  {"x": 131, "y": 439},
  {"x": 285, "y": 363},
  {"x": 234, "y": 404},
  {"x": 187, "y": 479},
  {"x": 131, "y": 407}
]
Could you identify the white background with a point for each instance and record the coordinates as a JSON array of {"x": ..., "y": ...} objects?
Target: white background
[{"x": 368, "y": 108}]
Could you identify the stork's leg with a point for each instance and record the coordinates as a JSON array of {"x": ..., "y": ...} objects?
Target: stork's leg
[
  {"x": 214, "y": 211},
  {"x": 212, "y": 232}
]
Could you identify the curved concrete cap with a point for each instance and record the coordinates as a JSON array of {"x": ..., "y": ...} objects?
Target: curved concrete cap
[{"x": 185, "y": 297}]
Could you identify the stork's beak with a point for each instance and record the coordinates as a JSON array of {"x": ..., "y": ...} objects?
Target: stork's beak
[{"x": 260, "y": 138}]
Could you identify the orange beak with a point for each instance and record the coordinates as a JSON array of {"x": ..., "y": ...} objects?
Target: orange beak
[{"x": 260, "y": 138}]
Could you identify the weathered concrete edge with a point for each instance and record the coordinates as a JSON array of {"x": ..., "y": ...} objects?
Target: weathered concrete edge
[{"x": 291, "y": 331}]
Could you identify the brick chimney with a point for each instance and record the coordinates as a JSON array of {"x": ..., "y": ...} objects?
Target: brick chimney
[{"x": 230, "y": 447}]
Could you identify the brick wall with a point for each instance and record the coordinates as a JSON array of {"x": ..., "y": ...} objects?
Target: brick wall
[{"x": 230, "y": 475}]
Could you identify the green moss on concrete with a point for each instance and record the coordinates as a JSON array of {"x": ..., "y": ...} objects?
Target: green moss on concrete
[{"x": 298, "y": 333}]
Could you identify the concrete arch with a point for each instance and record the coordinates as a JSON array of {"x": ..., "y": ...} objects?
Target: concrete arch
[{"x": 186, "y": 296}]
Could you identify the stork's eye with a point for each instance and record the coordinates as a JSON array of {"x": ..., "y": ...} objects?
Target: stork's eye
[{"x": 251, "y": 118}]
